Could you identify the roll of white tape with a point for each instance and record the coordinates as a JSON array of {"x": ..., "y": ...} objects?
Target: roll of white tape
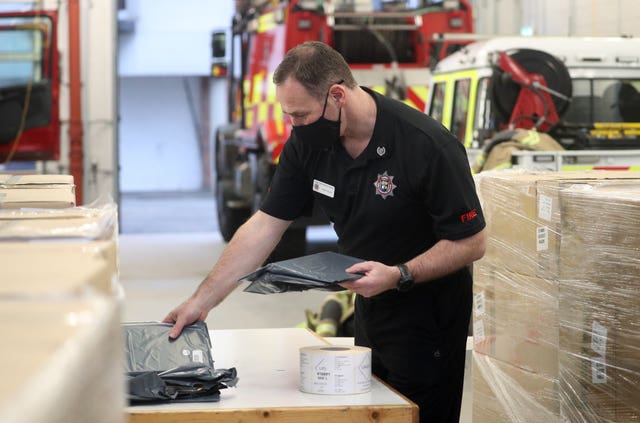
[{"x": 335, "y": 370}]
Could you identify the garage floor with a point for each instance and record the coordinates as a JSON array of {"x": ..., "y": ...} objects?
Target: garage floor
[{"x": 168, "y": 243}]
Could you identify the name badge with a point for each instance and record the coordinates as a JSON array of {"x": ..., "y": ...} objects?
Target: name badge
[{"x": 323, "y": 188}]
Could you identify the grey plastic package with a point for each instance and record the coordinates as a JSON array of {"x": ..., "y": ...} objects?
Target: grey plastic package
[
  {"x": 160, "y": 369},
  {"x": 321, "y": 271}
]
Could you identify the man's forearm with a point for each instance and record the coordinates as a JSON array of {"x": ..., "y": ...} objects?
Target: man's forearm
[
  {"x": 247, "y": 250},
  {"x": 446, "y": 257}
]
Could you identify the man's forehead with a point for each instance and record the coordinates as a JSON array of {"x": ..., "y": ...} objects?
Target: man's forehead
[{"x": 293, "y": 98}]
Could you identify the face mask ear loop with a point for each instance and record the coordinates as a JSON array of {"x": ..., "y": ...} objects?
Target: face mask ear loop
[{"x": 324, "y": 108}]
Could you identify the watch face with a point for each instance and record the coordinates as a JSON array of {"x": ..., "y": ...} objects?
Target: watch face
[{"x": 406, "y": 279}]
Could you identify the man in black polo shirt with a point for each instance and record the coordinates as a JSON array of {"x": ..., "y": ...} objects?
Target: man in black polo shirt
[{"x": 398, "y": 189}]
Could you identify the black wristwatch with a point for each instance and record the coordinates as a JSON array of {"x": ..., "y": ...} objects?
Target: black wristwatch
[{"x": 406, "y": 278}]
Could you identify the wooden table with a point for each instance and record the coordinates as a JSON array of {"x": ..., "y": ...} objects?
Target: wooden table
[{"x": 268, "y": 367}]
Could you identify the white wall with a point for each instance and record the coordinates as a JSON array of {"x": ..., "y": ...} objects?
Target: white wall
[
  {"x": 98, "y": 85},
  {"x": 496, "y": 16},
  {"x": 558, "y": 17},
  {"x": 172, "y": 38},
  {"x": 158, "y": 142},
  {"x": 171, "y": 41},
  {"x": 100, "y": 106}
]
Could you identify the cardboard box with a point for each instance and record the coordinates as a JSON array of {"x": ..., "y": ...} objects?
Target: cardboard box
[
  {"x": 74, "y": 222},
  {"x": 506, "y": 393},
  {"x": 54, "y": 268},
  {"x": 588, "y": 251},
  {"x": 515, "y": 319},
  {"x": 46, "y": 197},
  {"x": 594, "y": 387},
  {"x": 600, "y": 329},
  {"x": 37, "y": 191},
  {"x": 523, "y": 215},
  {"x": 61, "y": 361},
  {"x": 35, "y": 179}
]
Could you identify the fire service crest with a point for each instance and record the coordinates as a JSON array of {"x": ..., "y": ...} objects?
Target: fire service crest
[{"x": 384, "y": 185}]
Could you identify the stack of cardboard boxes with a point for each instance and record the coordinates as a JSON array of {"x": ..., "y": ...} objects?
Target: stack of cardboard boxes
[
  {"x": 599, "y": 311},
  {"x": 60, "y": 304},
  {"x": 532, "y": 313}
]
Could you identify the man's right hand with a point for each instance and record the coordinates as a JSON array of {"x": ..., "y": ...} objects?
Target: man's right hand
[
  {"x": 250, "y": 246},
  {"x": 186, "y": 313}
]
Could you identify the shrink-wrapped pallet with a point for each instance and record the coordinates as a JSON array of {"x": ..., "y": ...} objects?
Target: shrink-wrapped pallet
[
  {"x": 515, "y": 319},
  {"x": 557, "y": 282},
  {"x": 599, "y": 307},
  {"x": 58, "y": 268},
  {"x": 503, "y": 393},
  {"x": 61, "y": 355},
  {"x": 53, "y": 251},
  {"x": 61, "y": 361},
  {"x": 523, "y": 215}
]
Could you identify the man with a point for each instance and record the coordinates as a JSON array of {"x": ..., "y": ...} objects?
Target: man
[{"x": 398, "y": 189}]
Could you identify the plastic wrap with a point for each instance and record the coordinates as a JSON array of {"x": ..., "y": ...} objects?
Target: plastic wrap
[
  {"x": 505, "y": 393},
  {"x": 99, "y": 222},
  {"x": 61, "y": 355},
  {"x": 556, "y": 282},
  {"x": 51, "y": 252},
  {"x": 57, "y": 268},
  {"x": 515, "y": 319},
  {"x": 61, "y": 361},
  {"x": 599, "y": 306}
]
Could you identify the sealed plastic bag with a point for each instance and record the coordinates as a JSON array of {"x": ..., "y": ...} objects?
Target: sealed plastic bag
[
  {"x": 320, "y": 271},
  {"x": 160, "y": 369}
]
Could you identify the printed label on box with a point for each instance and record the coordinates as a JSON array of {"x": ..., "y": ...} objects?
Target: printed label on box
[
  {"x": 545, "y": 207},
  {"x": 599, "y": 338},
  {"x": 478, "y": 331},
  {"x": 599, "y": 370},
  {"x": 478, "y": 304},
  {"x": 542, "y": 238}
]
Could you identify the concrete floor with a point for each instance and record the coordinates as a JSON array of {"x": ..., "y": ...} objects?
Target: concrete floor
[{"x": 169, "y": 242}]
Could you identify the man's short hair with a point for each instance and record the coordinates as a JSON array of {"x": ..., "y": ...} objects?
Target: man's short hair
[{"x": 316, "y": 66}]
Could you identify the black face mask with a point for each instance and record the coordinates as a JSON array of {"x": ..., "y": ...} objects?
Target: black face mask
[{"x": 321, "y": 134}]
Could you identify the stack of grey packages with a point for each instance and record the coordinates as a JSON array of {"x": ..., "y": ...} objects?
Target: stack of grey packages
[
  {"x": 320, "y": 271},
  {"x": 162, "y": 370}
]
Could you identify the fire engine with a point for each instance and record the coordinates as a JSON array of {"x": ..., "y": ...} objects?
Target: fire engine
[
  {"x": 583, "y": 92},
  {"x": 29, "y": 86},
  {"x": 388, "y": 44}
]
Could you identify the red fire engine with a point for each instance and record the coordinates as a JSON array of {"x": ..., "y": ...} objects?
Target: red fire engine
[
  {"x": 389, "y": 45},
  {"x": 29, "y": 86}
]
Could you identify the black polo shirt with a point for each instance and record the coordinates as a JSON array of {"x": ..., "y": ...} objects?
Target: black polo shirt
[{"x": 409, "y": 188}]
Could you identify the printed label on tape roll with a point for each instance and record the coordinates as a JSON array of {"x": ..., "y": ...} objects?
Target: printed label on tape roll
[{"x": 335, "y": 370}]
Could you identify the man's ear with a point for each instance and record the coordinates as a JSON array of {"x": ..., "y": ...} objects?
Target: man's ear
[{"x": 337, "y": 93}]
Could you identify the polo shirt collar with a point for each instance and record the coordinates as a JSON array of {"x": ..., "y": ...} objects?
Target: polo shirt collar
[{"x": 382, "y": 143}]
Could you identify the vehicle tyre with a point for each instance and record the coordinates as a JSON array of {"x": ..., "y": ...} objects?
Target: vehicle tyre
[
  {"x": 230, "y": 216},
  {"x": 232, "y": 211}
]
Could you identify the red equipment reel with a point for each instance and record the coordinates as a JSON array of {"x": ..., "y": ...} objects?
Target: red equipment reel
[{"x": 530, "y": 89}]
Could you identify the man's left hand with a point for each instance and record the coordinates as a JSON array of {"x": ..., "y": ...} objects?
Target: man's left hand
[{"x": 377, "y": 278}]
